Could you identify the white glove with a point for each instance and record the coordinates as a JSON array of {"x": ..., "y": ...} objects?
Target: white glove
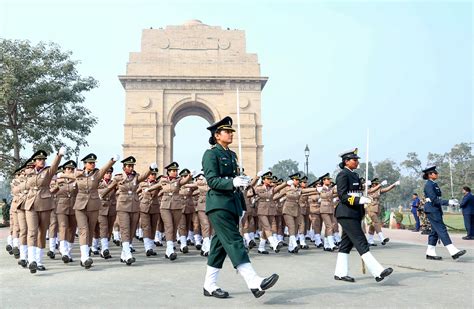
[
  {"x": 319, "y": 189},
  {"x": 115, "y": 158},
  {"x": 62, "y": 151},
  {"x": 60, "y": 175},
  {"x": 453, "y": 202},
  {"x": 145, "y": 190},
  {"x": 428, "y": 200},
  {"x": 243, "y": 215},
  {"x": 384, "y": 183},
  {"x": 397, "y": 183},
  {"x": 365, "y": 200},
  {"x": 240, "y": 181},
  {"x": 319, "y": 200},
  {"x": 334, "y": 199},
  {"x": 260, "y": 173},
  {"x": 153, "y": 165},
  {"x": 289, "y": 182},
  {"x": 368, "y": 182}
]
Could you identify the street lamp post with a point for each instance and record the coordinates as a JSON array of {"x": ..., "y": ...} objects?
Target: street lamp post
[
  {"x": 306, "y": 154},
  {"x": 77, "y": 155}
]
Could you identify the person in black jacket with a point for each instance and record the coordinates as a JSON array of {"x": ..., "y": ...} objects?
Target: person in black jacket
[{"x": 349, "y": 214}]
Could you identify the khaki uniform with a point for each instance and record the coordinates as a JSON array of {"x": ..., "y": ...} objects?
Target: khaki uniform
[
  {"x": 327, "y": 195},
  {"x": 373, "y": 211},
  {"x": 87, "y": 202},
  {"x": 39, "y": 203},
  {"x": 66, "y": 197},
  {"x": 186, "y": 222},
  {"x": 315, "y": 213},
  {"x": 304, "y": 215},
  {"x": 266, "y": 209},
  {"x": 149, "y": 209},
  {"x": 107, "y": 212},
  {"x": 204, "y": 224}
]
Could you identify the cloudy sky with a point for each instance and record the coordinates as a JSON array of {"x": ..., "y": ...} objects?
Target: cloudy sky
[{"x": 402, "y": 69}]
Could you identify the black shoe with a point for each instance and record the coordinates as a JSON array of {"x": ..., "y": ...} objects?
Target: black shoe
[
  {"x": 386, "y": 240},
  {"x": 51, "y": 255},
  {"x": 278, "y": 247},
  {"x": 468, "y": 238},
  {"x": 32, "y": 267},
  {"x": 184, "y": 249},
  {"x": 106, "y": 254},
  {"x": 320, "y": 245},
  {"x": 150, "y": 252},
  {"x": 252, "y": 244},
  {"x": 9, "y": 249},
  {"x": 337, "y": 243},
  {"x": 216, "y": 293},
  {"x": 432, "y": 257},
  {"x": 23, "y": 263},
  {"x": 265, "y": 285},
  {"x": 172, "y": 256},
  {"x": 294, "y": 251},
  {"x": 372, "y": 245},
  {"x": 41, "y": 268},
  {"x": 459, "y": 254},
  {"x": 198, "y": 247},
  {"x": 305, "y": 247},
  {"x": 284, "y": 244},
  {"x": 345, "y": 278},
  {"x": 385, "y": 273},
  {"x": 140, "y": 239},
  {"x": 262, "y": 252},
  {"x": 65, "y": 259},
  {"x": 204, "y": 253},
  {"x": 117, "y": 243},
  {"x": 132, "y": 250},
  {"x": 307, "y": 238},
  {"x": 158, "y": 244},
  {"x": 87, "y": 264},
  {"x": 16, "y": 252},
  {"x": 327, "y": 249},
  {"x": 298, "y": 242}
]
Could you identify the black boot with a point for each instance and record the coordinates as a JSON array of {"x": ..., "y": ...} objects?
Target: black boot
[{"x": 265, "y": 285}]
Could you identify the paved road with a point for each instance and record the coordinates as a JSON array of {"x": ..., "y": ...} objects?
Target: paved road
[{"x": 306, "y": 280}]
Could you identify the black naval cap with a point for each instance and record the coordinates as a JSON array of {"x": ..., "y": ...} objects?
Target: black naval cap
[
  {"x": 154, "y": 170},
  {"x": 70, "y": 164},
  {"x": 110, "y": 170},
  {"x": 129, "y": 161},
  {"x": 314, "y": 183},
  {"x": 90, "y": 158},
  {"x": 224, "y": 124},
  {"x": 40, "y": 154},
  {"x": 431, "y": 169},
  {"x": 30, "y": 162},
  {"x": 172, "y": 166},
  {"x": 184, "y": 172},
  {"x": 268, "y": 175},
  {"x": 304, "y": 179},
  {"x": 325, "y": 176},
  {"x": 295, "y": 176},
  {"x": 375, "y": 180}
]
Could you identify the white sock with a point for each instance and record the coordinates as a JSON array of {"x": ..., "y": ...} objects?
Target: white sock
[
  {"x": 372, "y": 264},
  {"x": 104, "y": 244},
  {"x": 342, "y": 265},
  {"x": 261, "y": 245},
  {"x": 146, "y": 243},
  {"x": 250, "y": 276},
  {"x": 317, "y": 239},
  {"x": 126, "y": 253},
  {"x": 210, "y": 281},
  {"x": 16, "y": 242},
  {"x": 183, "y": 241},
  {"x": 52, "y": 244},
  {"x": 337, "y": 237},
  {"x": 63, "y": 247},
  {"x": 452, "y": 249},
  {"x": 169, "y": 247},
  {"x": 206, "y": 244},
  {"x": 31, "y": 254},
  {"x": 10, "y": 240},
  {"x": 381, "y": 236},
  {"x": 23, "y": 252},
  {"x": 84, "y": 253},
  {"x": 331, "y": 241},
  {"x": 247, "y": 238},
  {"x": 197, "y": 239},
  {"x": 39, "y": 256},
  {"x": 252, "y": 235},
  {"x": 431, "y": 250},
  {"x": 95, "y": 244},
  {"x": 370, "y": 239}
]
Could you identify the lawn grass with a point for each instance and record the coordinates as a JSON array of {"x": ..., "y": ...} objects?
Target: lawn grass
[{"x": 455, "y": 221}]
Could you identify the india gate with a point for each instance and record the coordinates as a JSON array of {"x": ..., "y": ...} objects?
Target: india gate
[{"x": 191, "y": 70}]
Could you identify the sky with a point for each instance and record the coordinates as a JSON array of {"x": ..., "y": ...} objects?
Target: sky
[{"x": 400, "y": 69}]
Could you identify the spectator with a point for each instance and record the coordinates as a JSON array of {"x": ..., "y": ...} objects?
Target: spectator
[
  {"x": 467, "y": 206},
  {"x": 414, "y": 210}
]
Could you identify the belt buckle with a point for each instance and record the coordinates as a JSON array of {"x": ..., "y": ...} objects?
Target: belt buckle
[
  {"x": 170, "y": 194},
  {"x": 130, "y": 192}
]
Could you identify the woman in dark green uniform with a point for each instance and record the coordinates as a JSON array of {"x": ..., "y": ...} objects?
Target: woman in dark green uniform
[{"x": 224, "y": 206}]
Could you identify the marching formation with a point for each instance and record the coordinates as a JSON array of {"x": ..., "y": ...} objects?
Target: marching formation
[{"x": 186, "y": 208}]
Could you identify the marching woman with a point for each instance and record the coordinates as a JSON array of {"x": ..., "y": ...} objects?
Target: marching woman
[
  {"x": 327, "y": 194},
  {"x": 349, "y": 213},
  {"x": 66, "y": 197},
  {"x": 185, "y": 228},
  {"x": 149, "y": 211},
  {"x": 21, "y": 213},
  {"x": 314, "y": 201},
  {"x": 88, "y": 202},
  {"x": 128, "y": 203},
  {"x": 434, "y": 212},
  {"x": 303, "y": 225},
  {"x": 266, "y": 212},
  {"x": 107, "y": 214},
  {"x": 171, "y": 207},
  {"x": 38, "y": 206},
  {"x": 201, "y": 212},
  {"x": 53, "y": 221},
  {"x": 224, "y": 207},
  {"x": 373, "y": 209},
  {"x": 17, "y": 189},
  {"x": 291, "y": 209}
]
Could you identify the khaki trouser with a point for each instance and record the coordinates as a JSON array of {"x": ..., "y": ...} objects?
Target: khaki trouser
[
  {"x": 316, "y": 222},
  {"x": 104, "y": 226},
  {"x": 265, "y": 223},
  {"x": 23, "y": 227},
  {"x": 279, "y": 225},
  {"x": 171, "y": 219},
  {"x": 67, "y": 227},
  {"x": 303, "y": 225},
  {"x": 128, "y": 222},
  {"x": 185, "y": 224},
  {"x": 38, "y": 223},
  {"x": 376, "y": 226},
  {"x": 291, "y": 223},
  {"x": 148, "y": 223},
  {"x": 86, "y": 222},
  {"x": 248, "y": 224},
  {"x": 14, "y": 226},
  {"x": 53, "y": 225},
  {"x": 206, "y": 228},
  {"x": 328, "y": 224}
]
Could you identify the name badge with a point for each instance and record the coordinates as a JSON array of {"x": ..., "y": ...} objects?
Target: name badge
[{"x": 355, "y": 184}]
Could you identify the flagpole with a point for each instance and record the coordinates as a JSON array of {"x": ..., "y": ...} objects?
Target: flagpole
[
  {"x": 451, "y": 175},
  {"x": 367, "y": 163},
  {"x": 238, "y": 132}
]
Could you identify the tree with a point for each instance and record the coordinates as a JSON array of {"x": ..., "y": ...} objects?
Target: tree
[
  {"x": 284, "y": 168},
  {"x": 41, "y": 96},
  {"x": 389, "y": 170},
  {"x": 412, "y": 163},
  {"x": 361, "y": 170}
]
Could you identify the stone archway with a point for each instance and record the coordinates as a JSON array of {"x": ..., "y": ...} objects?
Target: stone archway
[{"x": 191, "y": 69}]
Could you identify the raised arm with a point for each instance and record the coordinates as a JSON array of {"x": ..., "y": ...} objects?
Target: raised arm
[
  {"x": 110, "y": 187},
  {"x": 104, "y": 169},
  {"x": 383, "y": 190}
]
